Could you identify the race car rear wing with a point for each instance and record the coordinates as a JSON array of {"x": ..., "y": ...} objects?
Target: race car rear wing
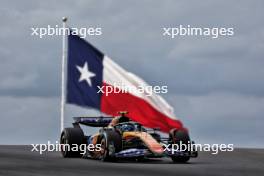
[{"x": 92, "y": 121}]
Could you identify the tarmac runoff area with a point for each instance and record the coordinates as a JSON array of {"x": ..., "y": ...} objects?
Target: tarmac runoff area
[{"x": 19, "y": 160}]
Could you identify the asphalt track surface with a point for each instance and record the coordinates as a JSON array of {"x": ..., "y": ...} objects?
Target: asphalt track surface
[{"x": 19, "y": 160}]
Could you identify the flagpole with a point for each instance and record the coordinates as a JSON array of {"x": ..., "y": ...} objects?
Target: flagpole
[{"x": 64, "y": 55}]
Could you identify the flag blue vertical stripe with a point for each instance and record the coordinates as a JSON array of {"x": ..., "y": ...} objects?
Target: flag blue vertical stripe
[{"x": 80, "y": 92}]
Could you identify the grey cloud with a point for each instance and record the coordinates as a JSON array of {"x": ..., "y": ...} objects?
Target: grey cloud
[
  {"x": 222, "y": 118},
  {"x": 28, "y": 119},
  {"x": 133, "y": 37},
  {"x": 202, "y": 74}
]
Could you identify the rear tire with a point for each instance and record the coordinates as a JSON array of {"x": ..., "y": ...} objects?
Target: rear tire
[
  {"x": 71, "y": 137},
  {"x": 177, "y": 137}
]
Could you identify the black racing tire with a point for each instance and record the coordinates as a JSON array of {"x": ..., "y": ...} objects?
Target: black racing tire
[
  {"x": 71, "y": 137},
  {"x": 177, "y": 137},
  {"x": 111, "y": 143}
]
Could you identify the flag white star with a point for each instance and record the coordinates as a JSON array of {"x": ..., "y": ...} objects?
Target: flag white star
[{"x": 85, "y": 74}]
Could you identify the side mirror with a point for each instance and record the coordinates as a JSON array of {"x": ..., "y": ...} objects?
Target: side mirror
[{"x": 156, "y": 129}]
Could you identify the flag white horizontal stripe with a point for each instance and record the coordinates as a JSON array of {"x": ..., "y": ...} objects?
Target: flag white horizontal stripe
[{"x": 115, "y": 75}]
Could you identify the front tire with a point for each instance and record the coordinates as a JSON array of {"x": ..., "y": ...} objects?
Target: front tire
[
  {"x": 180, "y": 137},
  {"x": 111, "y": 143}
]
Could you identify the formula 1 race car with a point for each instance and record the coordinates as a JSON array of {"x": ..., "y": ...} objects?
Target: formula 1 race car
[{"x": 120, "y": 137}]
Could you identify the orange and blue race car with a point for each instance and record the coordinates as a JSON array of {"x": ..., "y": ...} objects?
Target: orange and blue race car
[{"x": 120, "y": 137}]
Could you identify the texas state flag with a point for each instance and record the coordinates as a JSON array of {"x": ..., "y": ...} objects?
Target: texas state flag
[{"x": 89, "y": 69}]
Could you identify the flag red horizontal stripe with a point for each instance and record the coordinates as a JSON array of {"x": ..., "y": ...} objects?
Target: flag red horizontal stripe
[{"x": 139, "y": 110}]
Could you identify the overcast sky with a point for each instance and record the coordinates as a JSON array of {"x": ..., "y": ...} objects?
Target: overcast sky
[{"x": 215, "y": 85}]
